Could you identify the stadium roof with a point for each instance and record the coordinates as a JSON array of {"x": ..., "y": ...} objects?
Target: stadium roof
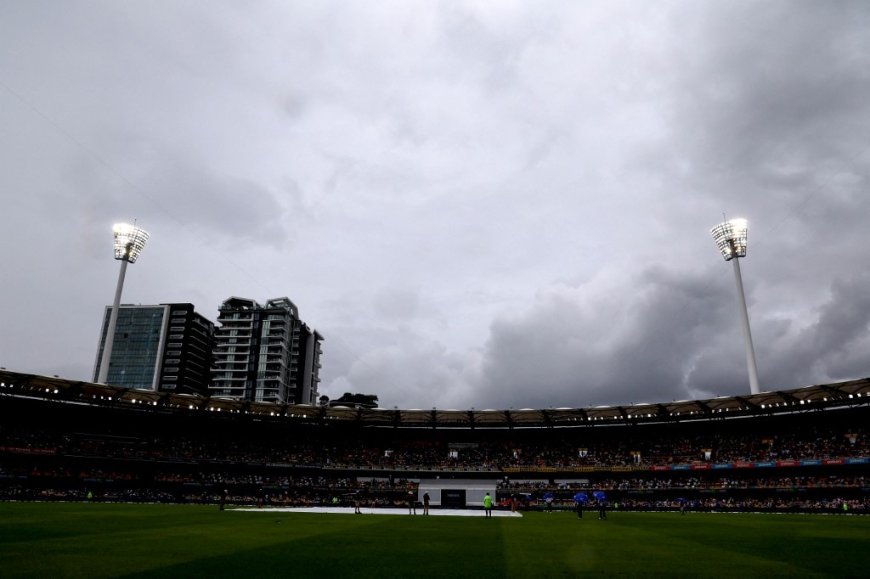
[{"x": 808, "y": 398}]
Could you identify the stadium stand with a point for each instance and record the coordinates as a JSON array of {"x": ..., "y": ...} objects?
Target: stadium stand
[{"x": 800, "y": 450}]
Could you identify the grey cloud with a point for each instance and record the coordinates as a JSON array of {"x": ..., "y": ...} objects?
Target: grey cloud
[
  {"x": 845, "y": 318},
  {"x": 830, "y": 345},
  {"x": 404, "y": 369},
  {"x": 157, "y": 185},
  {"x": 223, "y": 206},
  {"x": 397, "y": 303},
  {"x": 412, "y": 174},
  {"x": 763, "y": 89},
  {"x": 578, "y": 346}
]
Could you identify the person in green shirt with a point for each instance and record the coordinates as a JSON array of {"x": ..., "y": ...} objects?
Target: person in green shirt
[{"x": 487, "y": 505}]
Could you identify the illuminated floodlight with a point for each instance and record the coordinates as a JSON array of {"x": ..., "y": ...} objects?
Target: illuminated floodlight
[
  {"x": 731, "y": 239},
  {"x": 129, "y": 241}
]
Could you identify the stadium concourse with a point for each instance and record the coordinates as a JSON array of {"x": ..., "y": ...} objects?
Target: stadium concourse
[{"x": 799, "y": 450}]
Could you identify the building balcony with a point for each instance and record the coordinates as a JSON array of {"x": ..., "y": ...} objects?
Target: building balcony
[
  {"x": 238, "y": 363},
  {"x": 229, "y": 382},
  {"x": 240, "y": 346},
  {"x": 221, "y": 339},
  {"x": 226, "y": 333}
]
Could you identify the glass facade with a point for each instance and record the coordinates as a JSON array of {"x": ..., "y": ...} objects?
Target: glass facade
[{"x": 136, "y": 351}]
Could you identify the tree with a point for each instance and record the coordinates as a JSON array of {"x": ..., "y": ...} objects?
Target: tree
[{"x": 356, "y": 400}]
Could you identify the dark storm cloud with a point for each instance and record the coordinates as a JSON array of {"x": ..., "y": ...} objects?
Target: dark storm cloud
[
  {"x": 831, "y": 345},
  {"x": 674, "y": 337},
  {"x": 844, "y": 319},
  {"x": 585, "y": 346}
]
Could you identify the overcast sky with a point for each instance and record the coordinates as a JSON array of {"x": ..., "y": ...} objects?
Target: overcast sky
[{"x": 489, "y": 204}]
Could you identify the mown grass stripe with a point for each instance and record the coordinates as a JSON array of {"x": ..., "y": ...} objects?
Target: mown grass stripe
[{"x": 100, "y": 541}]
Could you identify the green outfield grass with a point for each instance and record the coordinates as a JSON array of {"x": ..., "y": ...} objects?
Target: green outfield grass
[{"x": 106, "y": 540}]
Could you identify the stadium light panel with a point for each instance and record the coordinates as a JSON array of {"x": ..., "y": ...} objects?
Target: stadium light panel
[
  {"x": 731, "y": 238},
  {"x": 129, "y": 241}
]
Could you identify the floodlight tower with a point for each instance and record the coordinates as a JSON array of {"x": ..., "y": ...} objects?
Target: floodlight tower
[
  {"x": 129, "y": 242},
  {"x": 730, "y": 238}
]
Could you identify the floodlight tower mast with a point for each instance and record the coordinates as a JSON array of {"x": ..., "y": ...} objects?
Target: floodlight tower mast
[
  {"x": 731, "y": 237},
  {"x": 129, "y": 242}
]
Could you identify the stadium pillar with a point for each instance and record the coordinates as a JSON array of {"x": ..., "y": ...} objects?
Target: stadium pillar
[
  {"x": 731, "y": 239},
  {"x": 110, "y": 330},
  {"x": 751, "y": 365}
]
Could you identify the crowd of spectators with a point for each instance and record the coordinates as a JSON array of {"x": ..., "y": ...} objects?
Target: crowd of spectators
[
  {"x": 382, "y": 493},
  {"x": 557, "y": 453},
  {"x": 715, "y": 482},
  {"x": 163, "y": 459}
]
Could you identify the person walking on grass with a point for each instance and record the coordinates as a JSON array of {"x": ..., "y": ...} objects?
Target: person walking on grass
[
  {"x": 602, "y": 510},
  {"x": 487, "y": 505},
  {"x": 579, "y": 499}
]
